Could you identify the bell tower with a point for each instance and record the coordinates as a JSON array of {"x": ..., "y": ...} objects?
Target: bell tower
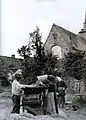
[
  {"x": 82, "y": 33},
  {"x": 84, "y": 24}
]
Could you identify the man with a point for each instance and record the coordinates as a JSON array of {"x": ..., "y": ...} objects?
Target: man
[
  {"x": 45, "y": 79},
  {"x": 61, "y": 87},
  {"x": 16, "y": 93}
]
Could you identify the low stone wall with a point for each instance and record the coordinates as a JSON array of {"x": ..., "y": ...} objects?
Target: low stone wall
[
  {"x": 75, "y": 86},
  {"x": 6, "y": 64},
  {"x": 76, "y": 91},
  {"x": 11, "y": 62}
]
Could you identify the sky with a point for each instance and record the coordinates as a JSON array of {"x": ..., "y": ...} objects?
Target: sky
[{"x": 20, "y": 17}]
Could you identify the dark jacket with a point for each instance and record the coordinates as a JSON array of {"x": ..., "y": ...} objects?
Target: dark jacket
[{"x": 61, "y": 87}]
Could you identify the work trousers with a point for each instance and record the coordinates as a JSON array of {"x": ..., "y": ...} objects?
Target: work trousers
[
  {"x": 16, "y": 104},
  {"x": 61, "y": 101}
]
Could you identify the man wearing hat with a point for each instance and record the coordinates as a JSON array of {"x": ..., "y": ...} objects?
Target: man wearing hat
[{"x": 16, "y": 93}]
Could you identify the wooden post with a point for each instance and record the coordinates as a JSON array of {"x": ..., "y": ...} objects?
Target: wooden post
[
  {"x": 45, "y": 102},
  {"x": 23, "y": 106},
  {"x": 31, "y": 110},
  {"x": 0, "y": 84},
  {"x": 55, "y": 99}
]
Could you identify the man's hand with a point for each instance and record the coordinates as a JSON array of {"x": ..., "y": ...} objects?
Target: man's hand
[
  {"x": 63, "y": 88},
  {"x": 40, "y": 83},
  {"x": 57, "y": 93}
]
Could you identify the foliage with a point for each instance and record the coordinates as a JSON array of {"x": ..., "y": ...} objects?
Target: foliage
[
  {"x": 35, "y": 45},
  {"x": 3, "y": 69},
  {"x": 35, "y": 41},
  {"x": 3, "y": 72},
  {"x": 33, "y": 66},
  {"x": 24, "y": 51},
  {"x": 50, "y": 63},
  {"x": 74, "y": 64},
  {"x": 29, "y": 70}
]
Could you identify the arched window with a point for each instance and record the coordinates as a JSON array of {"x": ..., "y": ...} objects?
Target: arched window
[{"x": 56, "y": 51}]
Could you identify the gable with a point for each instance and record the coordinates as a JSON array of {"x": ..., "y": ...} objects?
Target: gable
[{"x": 63, "y": 38}]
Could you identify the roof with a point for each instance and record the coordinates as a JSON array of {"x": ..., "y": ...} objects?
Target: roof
[
  {"x": 75, "y": 38},
  {"x": 62, "y": 30},
  {"x": 66, "y": 31}
]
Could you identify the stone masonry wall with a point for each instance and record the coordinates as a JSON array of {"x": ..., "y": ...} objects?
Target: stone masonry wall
[
  {"x": 12, "y": 63},
  {"x": 6, "y": 64},
  {"x": 62, "y": 40}
]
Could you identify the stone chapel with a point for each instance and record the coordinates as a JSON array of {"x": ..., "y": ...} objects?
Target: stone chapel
[{"x": 62, "y": 41}]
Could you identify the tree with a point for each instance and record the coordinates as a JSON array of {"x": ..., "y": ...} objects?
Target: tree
[
  {"x": 29, "y": 70},
  {"x": 32, "y": 65},
  {"x": 74, "y": 64},
  {"x": 35, "y": 41},
  {"x": 24, "y": 51},
  {"x": 35, "y": 44},
  {"x": 40, "y": 63}
]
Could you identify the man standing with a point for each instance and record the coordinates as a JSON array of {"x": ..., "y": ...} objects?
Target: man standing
[
  {"x": 16, "y": 93},
  {"x": 61, "y": 87}
]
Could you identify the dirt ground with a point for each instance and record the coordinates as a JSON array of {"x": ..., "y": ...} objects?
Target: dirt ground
[{"x": 65, "y": 114}]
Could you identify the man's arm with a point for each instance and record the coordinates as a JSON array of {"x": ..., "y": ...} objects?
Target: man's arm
[{"x": 27, "y": 86}]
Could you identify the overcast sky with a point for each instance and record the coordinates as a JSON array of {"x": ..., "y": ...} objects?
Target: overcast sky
[{"x": 20, "y": 17}]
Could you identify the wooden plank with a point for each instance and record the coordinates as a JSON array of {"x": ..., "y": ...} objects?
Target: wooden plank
[
  {"x": 30, "y": 110},
  {"x": 34, "y": 90}
]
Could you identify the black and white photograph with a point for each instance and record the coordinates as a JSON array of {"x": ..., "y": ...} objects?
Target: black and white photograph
[{"x": 42, "y": 59}]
